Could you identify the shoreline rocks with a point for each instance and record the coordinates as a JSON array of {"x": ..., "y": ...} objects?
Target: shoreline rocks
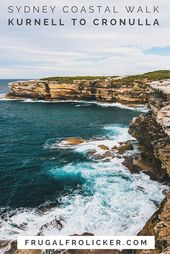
[
  {"x": 99, "y": 151},
  {"x": 159, "y": 226},
  {"x": 152, "y": 130},
  {"x": 73, "y": 141},
  {"x": 124, "y": 147},
  {"x": 103, "y": 147}
]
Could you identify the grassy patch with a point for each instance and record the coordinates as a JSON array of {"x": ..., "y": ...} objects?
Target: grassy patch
[
  {"x": 72, "y": 79},
  {"x": 155, "y": 75},
  {"x": 150, "y": 76}
]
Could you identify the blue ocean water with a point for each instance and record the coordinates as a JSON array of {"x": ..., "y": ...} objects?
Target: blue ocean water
[{"x": 41, "y": 180}]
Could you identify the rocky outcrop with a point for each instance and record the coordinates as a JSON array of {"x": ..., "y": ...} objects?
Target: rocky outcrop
[
  {"x": 100, "y": 90},
  {"x": 7, "y": 247},
  {"x": 159, "y": 226},
  {"x": 29, "y": 89},
  {"x": 73, "y": 141},
  {"x": 152, "y": 130}
]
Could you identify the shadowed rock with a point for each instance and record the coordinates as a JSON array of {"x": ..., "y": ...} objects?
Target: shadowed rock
[{"x": 152, "y": 130}]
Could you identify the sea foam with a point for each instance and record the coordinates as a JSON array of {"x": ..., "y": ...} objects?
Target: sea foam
[
  {"x": 112, "y": 200},
  {"x": 139, "y": 108},
  {"x": 119, "y": 204}
]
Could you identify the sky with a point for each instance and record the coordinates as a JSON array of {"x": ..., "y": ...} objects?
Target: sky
[{"x": 29, "y": 52}]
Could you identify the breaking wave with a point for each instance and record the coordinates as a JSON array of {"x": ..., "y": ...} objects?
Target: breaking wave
[
  {"x": 140, "y": 108},
  {"x": 112, "y": 202}
]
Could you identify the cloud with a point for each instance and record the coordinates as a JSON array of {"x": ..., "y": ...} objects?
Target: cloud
[{"x": 37, "y": 52}]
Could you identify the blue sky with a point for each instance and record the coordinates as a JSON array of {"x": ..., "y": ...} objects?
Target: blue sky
[
  {"x": 35, "y": 53},
  {"x": 158, "y": 51}
]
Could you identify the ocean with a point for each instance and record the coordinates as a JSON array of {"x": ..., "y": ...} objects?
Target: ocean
[{"x": 43, "y": 182}]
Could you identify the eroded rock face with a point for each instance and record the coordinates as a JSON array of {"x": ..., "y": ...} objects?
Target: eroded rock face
[
  {"x": 29, "y": 89},
  {"x": 152, "y": 130},
  {"x": 159, "y": 226},
  {"x": 154, "y": 144},
  {"x": 163, "y": 119},
  {"x": 98, "y": 90}
]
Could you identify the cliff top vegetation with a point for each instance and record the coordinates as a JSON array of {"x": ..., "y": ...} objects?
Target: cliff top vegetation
[{"x": 150, "y": 76}]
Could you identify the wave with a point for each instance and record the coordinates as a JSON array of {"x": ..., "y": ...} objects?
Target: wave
[
  {"x": 120, "y": 205},
  {"x": 112, "y": 136},
  {"x": 3, "y": 98},
  {"x": 112, "y": 200},
  {"x": 140, "y": 108}
]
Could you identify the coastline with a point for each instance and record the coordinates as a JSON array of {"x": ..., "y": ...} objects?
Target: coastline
[
  {"x": 156, "y": 113},
  {"x": 108, "y": 90},
  {"x": 152, "y": 132}
]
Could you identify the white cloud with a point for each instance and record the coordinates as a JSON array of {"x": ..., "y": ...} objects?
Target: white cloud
[{"x": 29, "y": 53}]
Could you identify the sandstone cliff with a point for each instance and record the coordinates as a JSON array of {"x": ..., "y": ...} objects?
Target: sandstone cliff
[
  {"x": 159, "y": 226},
  {"x": 152, "y": 130},
  {"x": 108, "y": 90}
]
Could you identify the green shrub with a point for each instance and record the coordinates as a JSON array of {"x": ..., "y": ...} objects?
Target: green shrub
[{"x": 150, "y": 76}]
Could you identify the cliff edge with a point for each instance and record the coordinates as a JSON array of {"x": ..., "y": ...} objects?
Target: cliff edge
[
  {"x": 159, "y": 226},
  {"x": 105, "y": 90},
  {"x": 152, "y": 130}
]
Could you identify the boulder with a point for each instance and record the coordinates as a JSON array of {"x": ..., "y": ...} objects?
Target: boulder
[
  {"x": 103, "y": 147},
  {"x": 74, "y": 141},
  {"x": 92, "y": 152},
  {"x": 114, "y": 148},
  {"x": 13, "y": 249},
  {"x": 108, "y": 154},
  {"x": 125, "y": 147},
  {"x": 128, "y": 163}
]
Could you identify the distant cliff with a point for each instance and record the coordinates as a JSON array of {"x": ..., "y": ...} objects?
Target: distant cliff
[
  {"x": 107, "y": 90},
  {"x": 131, "y": 90}
]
